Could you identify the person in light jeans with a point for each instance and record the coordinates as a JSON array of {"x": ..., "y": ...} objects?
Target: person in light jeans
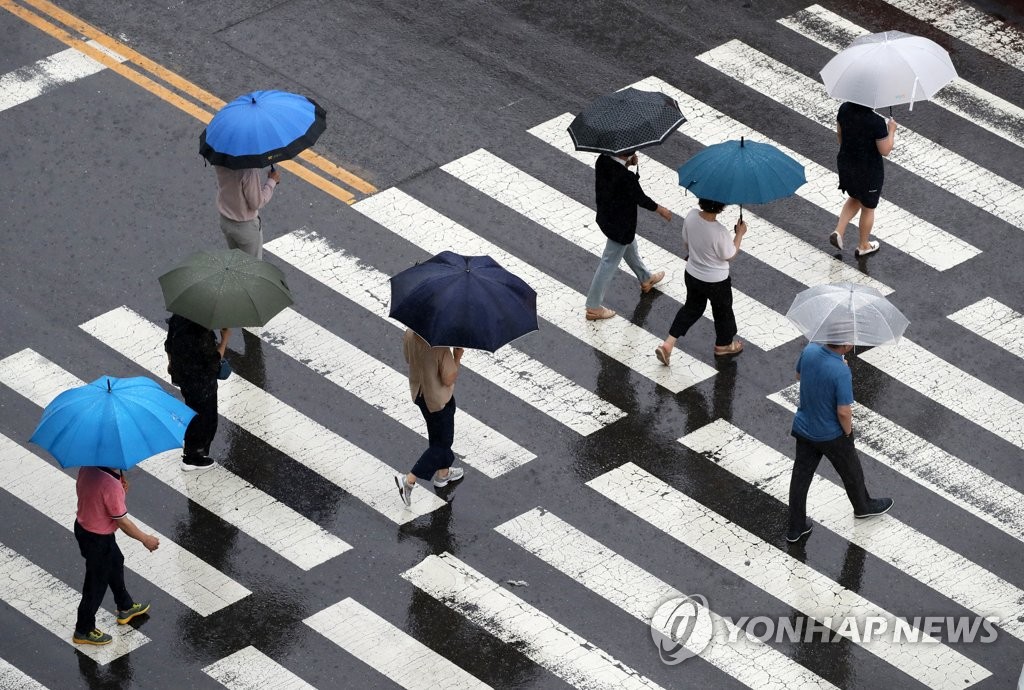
[{"x": 618, "y": 194}]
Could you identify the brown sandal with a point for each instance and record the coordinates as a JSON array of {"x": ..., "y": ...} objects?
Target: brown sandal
[
  {"x": 663, "y": 355},
  {"x": 600, "y": 314},
  {"x": 733, "y": 348}
]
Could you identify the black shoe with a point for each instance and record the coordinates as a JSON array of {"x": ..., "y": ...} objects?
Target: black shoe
[
  {"x": 794, "y": 534},
  {"x": 876, "y": 506},
  {"x": 199, "y": 463}
]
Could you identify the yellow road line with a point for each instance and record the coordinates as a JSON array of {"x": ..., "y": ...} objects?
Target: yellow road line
[
  {"x": 185, "y": 86},
  {"x": 159, "y": 90}
]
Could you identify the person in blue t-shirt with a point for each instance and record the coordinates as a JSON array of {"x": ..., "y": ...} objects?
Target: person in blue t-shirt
[{"x": 824, "y": 426}]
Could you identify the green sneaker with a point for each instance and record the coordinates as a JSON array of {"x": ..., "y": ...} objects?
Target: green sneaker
[
  {"x": 123, "y": 617},
  {"x": 94, "y": 636}
]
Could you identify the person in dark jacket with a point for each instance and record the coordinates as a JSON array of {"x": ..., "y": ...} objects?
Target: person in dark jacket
[
  {"x": 865, "y": 137},
  {"x": 618, "y": 193},
  {"x": 193, "y": 361}
]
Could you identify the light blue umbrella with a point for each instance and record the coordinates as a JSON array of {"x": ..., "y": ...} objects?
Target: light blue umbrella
[
  {"x": 741, "y": 172},
  {"x": 112, "y": 422}
]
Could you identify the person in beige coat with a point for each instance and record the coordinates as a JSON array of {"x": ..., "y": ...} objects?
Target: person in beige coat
[{"x": 432, "y": 375}]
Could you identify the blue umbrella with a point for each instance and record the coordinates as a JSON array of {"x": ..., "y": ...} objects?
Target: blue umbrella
[
  {"x": 741, "y": 172},
  {"x": 463, "y": 301},
  {"x": 262, "y": 128},
  {"x": 112, "y": 423}
]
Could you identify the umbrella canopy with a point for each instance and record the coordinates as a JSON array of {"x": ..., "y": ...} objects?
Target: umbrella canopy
[
  {"x": 463, "y": 301},
  {"x": 112, "y": 422},
  {"x": 626, "y": 120},
  {"x": 847, "y": 313},
  {"x": 262, "y": 128},
  {"x": 741, "y": 172},
  {"x": 889, "y": 68},
  {"x": 225, "y": 288}
]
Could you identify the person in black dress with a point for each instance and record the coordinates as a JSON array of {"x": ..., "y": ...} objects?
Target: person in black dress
[{"x": 864, "y": 139}]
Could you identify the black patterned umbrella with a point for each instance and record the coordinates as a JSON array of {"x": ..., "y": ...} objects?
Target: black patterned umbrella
[{"x": 626, "y": 120}]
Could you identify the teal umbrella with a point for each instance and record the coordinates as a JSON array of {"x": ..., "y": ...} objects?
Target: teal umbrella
[
  {"x": 226, "y": 288},
  {"x": 741, "y": 172}
]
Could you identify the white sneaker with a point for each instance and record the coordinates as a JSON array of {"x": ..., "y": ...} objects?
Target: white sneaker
[
  {"x": 454, "y": 475},
  {"x": 404, "y": 490}
]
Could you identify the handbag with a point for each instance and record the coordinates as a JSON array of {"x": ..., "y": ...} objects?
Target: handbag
[{"x": 225, "y": 370}]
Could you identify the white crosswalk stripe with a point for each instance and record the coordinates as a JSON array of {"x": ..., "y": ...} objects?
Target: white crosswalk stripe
[
  {"x": 959, "y": 482},
  {"x": 12, "y": 678},
  {"x": 999, "y": 38},
  {"x": 42, "y": 76},
  {"x": 778, "y": 574},
  {"x": 886, "y": 537},
  {"x": 770, "y": 244},
  {"x": 535, "y": 634},
  {"x": 557, "y": 303},
  {"x": 995, "y": 322},
  {"x": 951, "y": 387},
  {"x": 224, "y": 494},
  {"x": 404, "y": 660},
  {"x": 178, "y": 572},
  {"x": 387, "y": 389},
  {"x": 963, "y": 98},
  {"x": 251, "y": 669},
  {"x": 921, "y": 156},
  {"x": 44, "y": 599},
  {"x": 574, "y": 222},
  {"x": 277, "y": 424},
  {"x": 639, "y": 593},
  {"x": 510, "y": 369}
]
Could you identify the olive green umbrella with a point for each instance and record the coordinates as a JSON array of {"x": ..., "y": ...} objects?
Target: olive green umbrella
[{"x": 225, "y": 289}]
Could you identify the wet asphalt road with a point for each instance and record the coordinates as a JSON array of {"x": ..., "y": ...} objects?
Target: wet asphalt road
[{"x": 103, "y": 190}]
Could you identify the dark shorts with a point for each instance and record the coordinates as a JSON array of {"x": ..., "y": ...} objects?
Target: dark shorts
[{"x": 862, "y": 184}]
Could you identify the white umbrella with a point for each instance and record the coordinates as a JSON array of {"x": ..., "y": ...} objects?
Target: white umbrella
[
  {"x": 847, "y": 313},
  {"x": 889, "y": 68}
]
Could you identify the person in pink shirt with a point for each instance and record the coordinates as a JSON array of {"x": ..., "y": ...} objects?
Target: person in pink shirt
[
  {"x": 101, "y": 512},
  {"x": 240, "y": 196}
]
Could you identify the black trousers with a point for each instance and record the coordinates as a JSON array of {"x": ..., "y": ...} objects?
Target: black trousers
[
  {"x": 841, "y": 452},
  {"x": 199, "y": 435},
  {"x": 440, "y": 437},
  {"x": 104, "y": 567},
  {"x": 698, "y": 294}
]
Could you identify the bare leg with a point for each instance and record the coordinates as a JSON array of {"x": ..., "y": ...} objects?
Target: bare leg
[
  {"x": 670, "y": 342},
  {"x": 867, "y": 220},
  {"x": 850, "y": 209},
  {"x": 410, "y": 479}
]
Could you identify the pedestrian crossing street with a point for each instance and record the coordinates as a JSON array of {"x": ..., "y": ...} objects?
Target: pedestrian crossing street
[{"x": 634, "y": 494}]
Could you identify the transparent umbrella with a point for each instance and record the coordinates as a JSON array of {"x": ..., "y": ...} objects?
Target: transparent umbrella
[{"x": 847, "y": 313}]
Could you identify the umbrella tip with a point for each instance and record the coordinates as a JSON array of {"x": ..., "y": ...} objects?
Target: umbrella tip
[
  {"x": 741, "y": 140},
  {"x": 253, "y": 99},
  {"x": 108, "y": 386}
]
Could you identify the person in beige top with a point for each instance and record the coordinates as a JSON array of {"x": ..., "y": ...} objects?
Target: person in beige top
[
  {"x": 432, "y": 374},
  {"x": 240, "y": 196}
]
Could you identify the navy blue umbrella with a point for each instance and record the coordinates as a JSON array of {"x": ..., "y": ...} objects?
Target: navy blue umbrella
[
  {"x": 262, "y": 128},
  {"x": 463, "y": 301},
  {"x": 741, "y": 172}
]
